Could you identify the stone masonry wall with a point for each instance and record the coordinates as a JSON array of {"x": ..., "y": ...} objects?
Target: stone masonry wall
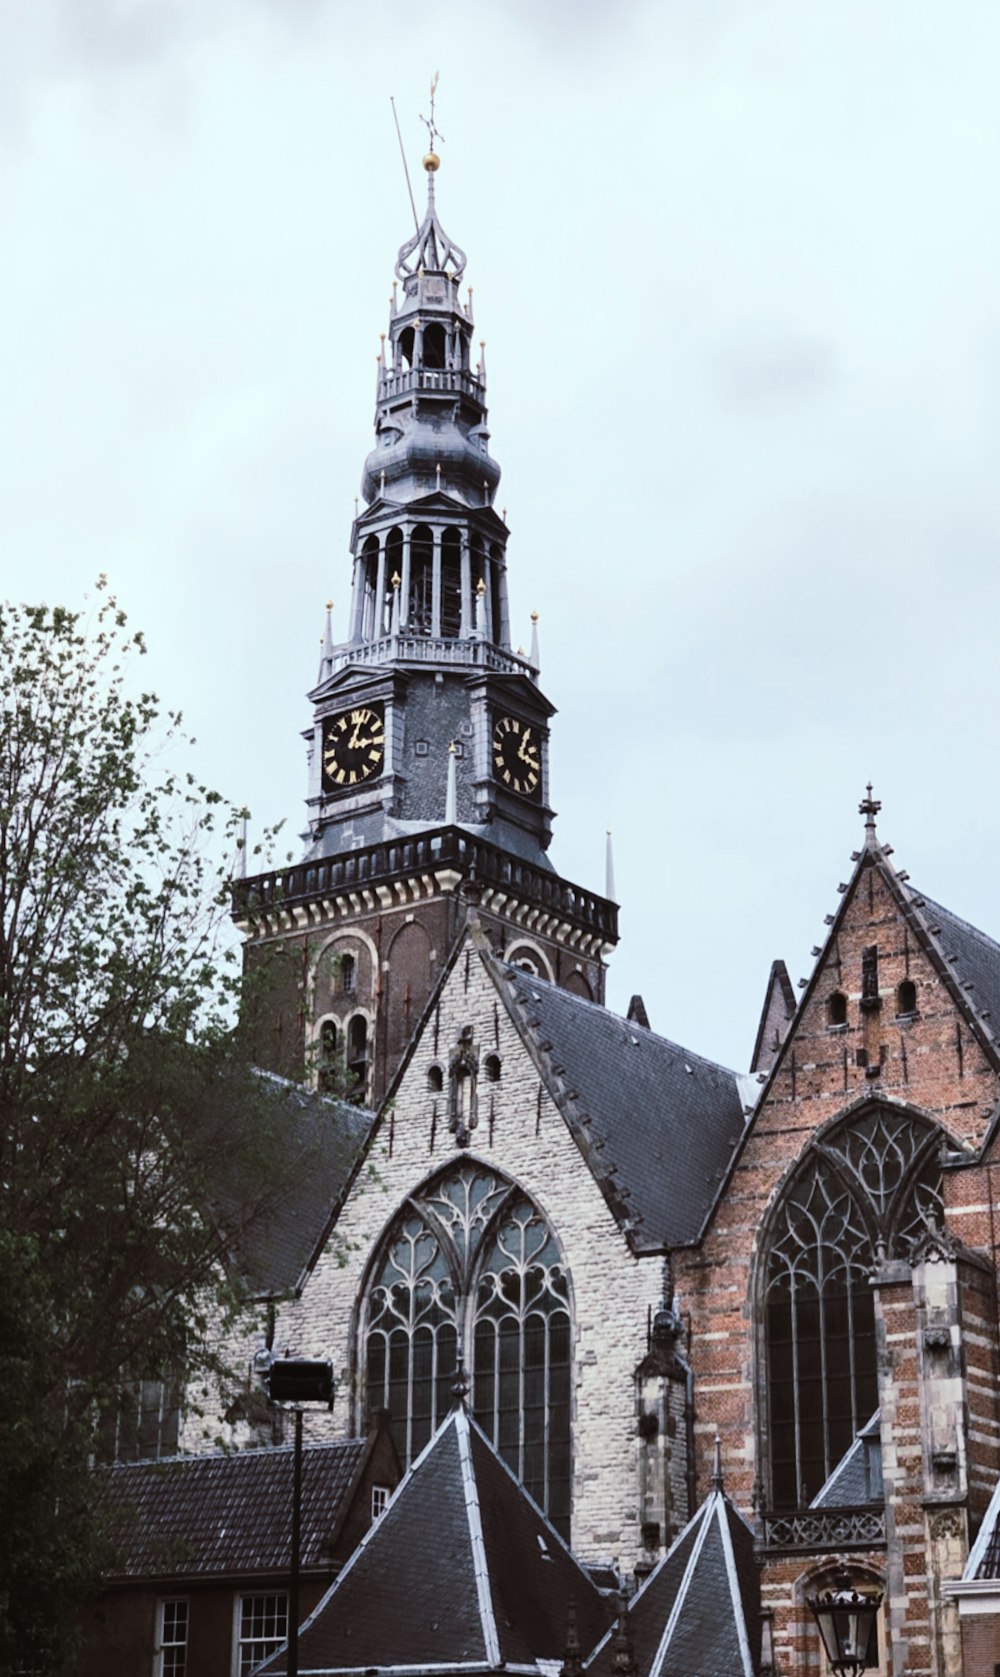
[{"x": 521, "y": 1133}]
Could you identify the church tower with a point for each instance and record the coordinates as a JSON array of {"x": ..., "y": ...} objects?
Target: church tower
[{"x": 428, "y": 752}]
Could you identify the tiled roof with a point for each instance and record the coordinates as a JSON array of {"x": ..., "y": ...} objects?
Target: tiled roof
[
  {"x": 462, "y": 1568},
  {"x": 657, "y": 1124},
  {"x": 699, "y": 1609},
  {"x": 849, "y": 1485},
  {"x": 198, "y": 1516},
  {"x": 323, "y": 1139}
]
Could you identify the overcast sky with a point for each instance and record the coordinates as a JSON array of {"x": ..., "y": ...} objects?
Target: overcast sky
[{"x": 737, "y": 269}]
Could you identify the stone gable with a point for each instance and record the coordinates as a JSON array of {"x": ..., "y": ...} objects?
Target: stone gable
[{"x": 520, "y": 1132}]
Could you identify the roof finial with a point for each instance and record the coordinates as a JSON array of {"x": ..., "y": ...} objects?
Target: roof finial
[
  {"x": 623, "y": 1654},
  {"x": 869, "y": 808},
  {"x": 609, "y": 868},
  {"x": 460, "y": 1385},
  {"x": 432, "y": 161},
  {"x": 572, "y": 1665},
  {"x": 718, "y": 1483}
]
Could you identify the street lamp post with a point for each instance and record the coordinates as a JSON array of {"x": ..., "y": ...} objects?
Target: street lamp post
[
  {"x": 848, "y": 1624},
  {"x": 293, "y": 1382}
]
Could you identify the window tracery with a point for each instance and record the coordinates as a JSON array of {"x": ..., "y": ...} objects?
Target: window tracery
[
  {"x": 471, "y": 1259},
  {"x": 871, "y": 1186}
]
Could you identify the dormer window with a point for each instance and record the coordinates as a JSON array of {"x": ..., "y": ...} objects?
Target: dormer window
[{"x": 836, "y": 1009}]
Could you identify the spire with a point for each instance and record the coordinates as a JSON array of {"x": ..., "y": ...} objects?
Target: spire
[
  {"x": 533, "y": 658},
  {"x": 869, "y": 808},
  {"x": 430, "y": 250},
  {"x": 451, "y": 795},
  {"x": 326, "y": 645},
  {"x": 240, "y": 860}
]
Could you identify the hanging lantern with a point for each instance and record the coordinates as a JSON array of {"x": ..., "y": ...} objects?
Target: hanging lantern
[{"x": 848, "y": 1624}]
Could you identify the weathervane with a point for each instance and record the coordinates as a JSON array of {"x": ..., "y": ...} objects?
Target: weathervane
[{"x": 433, "y": 131}]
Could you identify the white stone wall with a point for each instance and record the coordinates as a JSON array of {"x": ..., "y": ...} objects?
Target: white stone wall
[{"x": 611, "y": 1289}]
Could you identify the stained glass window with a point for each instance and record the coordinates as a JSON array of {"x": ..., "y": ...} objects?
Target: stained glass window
[
  {"x": 875, "y": 1181},
  {"x": 471, "y": 1256}
]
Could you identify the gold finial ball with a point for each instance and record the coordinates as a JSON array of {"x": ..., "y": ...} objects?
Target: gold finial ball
[
  {"x": 329, "y": 605},
  {"x": 534, "y": 617},
  {"x": 432, "y": 162}
]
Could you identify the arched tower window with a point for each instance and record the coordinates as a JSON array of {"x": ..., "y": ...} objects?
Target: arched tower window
[
  {"x": 836, "y": 1008},
  {"x": 470, "y": 1256},
  {"x": 451, "y": 584},
  {"x": 871, "y": 1181},
  {"x": 327, "y": 1068},
  {"x": 371, "y": 605},
  {"x": 906, "y": 997},
  {"x": 434, "y": 345},
  {"x": 357, "y": 1059},
  {"x": 420, "y": 612}
]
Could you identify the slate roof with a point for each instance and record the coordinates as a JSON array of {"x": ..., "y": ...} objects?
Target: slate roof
[
  {"x": 324, "y": 1139},
  {"x": 226, "y": 1513},
  {"x": 461, "y": 1569},
  {"x": 849, "y": 1485},
  {"x": 983, "y": 1563},
  {"x": 977, "y": 957},
  {"x": 656, "y": 1123},
  {"x": 699, "y": 1609}
]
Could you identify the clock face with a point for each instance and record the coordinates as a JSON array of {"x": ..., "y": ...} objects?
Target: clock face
[
  {"x": 517, "y": 755},
  {"x": 353, "y": 746}
]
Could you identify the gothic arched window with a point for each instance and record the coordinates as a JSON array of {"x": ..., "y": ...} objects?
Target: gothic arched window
[
  {"x": 471, "y": 1257},
  {"x": 871, "y": 1182}
]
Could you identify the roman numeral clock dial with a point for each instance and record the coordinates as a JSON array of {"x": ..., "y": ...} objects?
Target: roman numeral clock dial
[
  {"x": 353, "y": 747},
  {"x": 517, "y": 756}
]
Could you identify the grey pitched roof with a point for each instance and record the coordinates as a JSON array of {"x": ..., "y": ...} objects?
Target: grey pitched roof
[
  {"x": 976, "y": 956},
  {"x": 984, "y": 1556},
  {"x": 203, "y": 1516},
  {"x": 699, "y": 1609},
  {"x": 656, "y": 1123},
  {"x": 849, "y": 1485},
  {"x": 322, "y": 1140},
  {"x": 461, "y": 1569}
]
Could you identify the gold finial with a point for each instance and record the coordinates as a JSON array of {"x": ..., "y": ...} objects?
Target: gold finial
[
  {"x": 534, "y": 617},
  {"x": 396, "y": 579},
  {"x": 329, "y": 605},
  {"x": 432, "y": 162},
  {"x": 451, "y": 748},
  {"x": 520, "y": 652},
  {"x": 481, "y": 587}
]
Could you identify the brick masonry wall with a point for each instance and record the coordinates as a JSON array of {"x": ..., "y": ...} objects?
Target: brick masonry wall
[
  {"x": 932, "y": 1061},
  {"x": 527, "y": 1139}
]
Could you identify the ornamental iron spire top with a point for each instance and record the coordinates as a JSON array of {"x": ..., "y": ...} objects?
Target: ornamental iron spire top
[
  {"x": 430, "y": 250},
  {"x": 869, "y": 808}
]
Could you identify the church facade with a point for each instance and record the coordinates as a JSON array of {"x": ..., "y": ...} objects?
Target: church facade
[{"x": 654, "y": 1281}]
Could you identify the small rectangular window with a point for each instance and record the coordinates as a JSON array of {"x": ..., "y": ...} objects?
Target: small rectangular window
[
  {"x": 421, "y": 748},
  {"x": 380, "y": 1501},
  {"x": 262, "y": 1628},
  {"x": 172, "y": 1639}
]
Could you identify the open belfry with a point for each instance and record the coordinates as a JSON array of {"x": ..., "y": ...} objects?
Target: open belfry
[{"x": 686, "y": 1370}]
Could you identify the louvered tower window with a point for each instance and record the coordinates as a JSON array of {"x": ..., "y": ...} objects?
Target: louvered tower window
[
  {"x": 470, "y": 1255},
  {"x": 874, "y": 1179}
]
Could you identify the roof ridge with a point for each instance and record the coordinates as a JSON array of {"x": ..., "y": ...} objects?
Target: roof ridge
[
  {"x": 252, "y": 1452},
  {"x": 683, "y": 1587},
  {"x": 480, "y": 1561},
  {"x": 722, "y": 1512},
  {"x": 518, "y": 974}
]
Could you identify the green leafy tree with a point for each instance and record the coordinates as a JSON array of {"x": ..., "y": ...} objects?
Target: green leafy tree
[{"x": 136, "y": 1148}]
